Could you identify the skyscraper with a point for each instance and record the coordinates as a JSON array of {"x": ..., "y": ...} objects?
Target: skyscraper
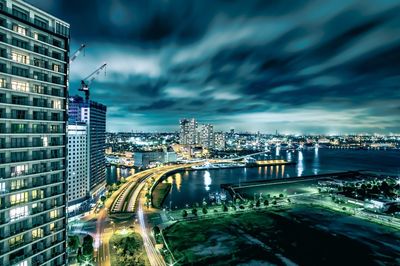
[
  {"x": 33, "y": 87},
  {"x": 207, "y": 136},
  {"x": 78, "y": 165},
  {"x": 188, "y": 132},
  {"x": 94, "y": 115},
  {"x": 219, "y": 141}
]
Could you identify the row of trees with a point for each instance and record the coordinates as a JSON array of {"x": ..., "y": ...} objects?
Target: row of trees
[{"x": 225, "y": 207}]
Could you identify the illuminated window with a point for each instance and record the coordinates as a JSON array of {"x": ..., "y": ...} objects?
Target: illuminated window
[
  {"x": 23, "y": 263},
  {"x": 19, "y": 198},
  {"x": 57, "y": 104},
  {"x": 2, "y": 82},
  {"x": 37, "y": 233},
  {"x": 16, "y": 240},
  {"x": 17, "y": 184},
  {"x": 53, "y": 214},
  {"x": 18, "y": 213},
  {"x": 45, "y": 141},
  {"x": 20, "y": 86},
  {"x": 21, "y": 30},
  {"x": 52, "y": 226},
  {"x": 19, "y": 170},
  {"x": 56, "y": 67},
  {"x": 20, "y": 58},
  {"x": 2, "y": 187},
  {"x": 38, "y": 88}
]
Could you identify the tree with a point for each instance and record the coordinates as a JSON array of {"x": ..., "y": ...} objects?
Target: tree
[
  {"x": 266, "y": 202},
  {"x": 204, "y": 210},
  {"x": 241, "y": 207},
  {"x": 103, "y": 198},
  {"x": 184, "y": 213},
  {"x": 194, "y": 211},
  {"x": 87, "y": 246},
  {"x": 258, "y": 203},
  {"x": 224, "y": 208},
  {"x": 156, "y": 230},
  {"x": 251, "y": 205},
  {"x": 281, "y": 195},
  {"x": 73, "y": 242},
  {"x": 79, "y": 255},
  {"x": 274, "y": 202}
]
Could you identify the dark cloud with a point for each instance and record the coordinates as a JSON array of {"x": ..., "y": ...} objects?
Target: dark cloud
[{"x": 326, "y": 66}]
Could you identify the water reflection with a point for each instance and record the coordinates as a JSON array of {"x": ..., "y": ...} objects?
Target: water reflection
[
  {"x": 283, "y": 171},
  {"x": 277, "y": 151},
  {"x": 315, "y": 164},
  {"x": 178, "y": 181},
  {"x": 207, "y": 180},
  {"x": 300, "y": 163}
]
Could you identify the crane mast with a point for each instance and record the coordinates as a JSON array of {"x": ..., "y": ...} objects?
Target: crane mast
[{"x": 89, "y": 79}]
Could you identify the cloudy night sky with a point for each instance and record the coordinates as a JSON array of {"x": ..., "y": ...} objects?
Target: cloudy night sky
[{"x": 294, "y": 66}]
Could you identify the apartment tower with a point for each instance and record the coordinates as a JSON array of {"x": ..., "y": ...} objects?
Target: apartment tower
[{"x": 33, "y": 88}]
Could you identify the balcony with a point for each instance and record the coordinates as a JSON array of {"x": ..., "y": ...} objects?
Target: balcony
[
  {"x": 35, "y": 63},
  {"x": 32, "y": 76},
  {"x": 35, "y": 117},
  {"x": 50, "y": 91},
  {"x": 31, "y": 158},
  {"x": 31, "y": 131},
  {"x": 32, "y": 48},
  {"x": 41, "y": 25}
]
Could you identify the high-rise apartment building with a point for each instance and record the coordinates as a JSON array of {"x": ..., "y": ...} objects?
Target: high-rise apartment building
[
  {"x": 188, "y": 132},
  {"x": 33, "y": 87},
  {"x": 219, "y": 141},
  {"x": 78, "y": 165},
  {"x": 207, "y": 136},
  {"x": 94, "y": 115}
]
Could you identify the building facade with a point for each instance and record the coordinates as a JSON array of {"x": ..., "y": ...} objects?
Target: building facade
[
  {"x": 34, "y": 61},
  {"x": 188, "y": 132},
  {"x": 94, "y": 115},
  {"x": 78, "y": 165},
  {"x": 207, "y": 136},
  {"x": 219, "y": 141}
]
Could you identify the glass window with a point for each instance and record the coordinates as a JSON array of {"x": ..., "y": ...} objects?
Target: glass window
[
  {"x": 19, "y": 29},
  {"x": 19, "y": 198},
  {"x": 20, "y": 86},
  {"x": 20, "y": 58},
  {"x": 16, "y": 240},
  {"x": 18, "y": 213},
  {"x": 37, "y": 233}
]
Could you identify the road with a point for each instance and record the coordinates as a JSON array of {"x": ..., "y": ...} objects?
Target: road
[{"x": 153, "y": 254}]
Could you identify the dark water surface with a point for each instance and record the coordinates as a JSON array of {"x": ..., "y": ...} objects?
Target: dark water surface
[{"x": 193, "y": 186}]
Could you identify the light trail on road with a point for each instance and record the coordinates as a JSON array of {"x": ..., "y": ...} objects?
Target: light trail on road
[{"x": 154, "y": 256}]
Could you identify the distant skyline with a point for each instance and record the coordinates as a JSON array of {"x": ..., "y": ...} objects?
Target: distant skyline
[{"x": 295, "y": 66}]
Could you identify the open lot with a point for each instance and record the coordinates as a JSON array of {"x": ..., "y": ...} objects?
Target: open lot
[
  {"x": 297, "y": 234},
  {"x": 287, "y": 188}
]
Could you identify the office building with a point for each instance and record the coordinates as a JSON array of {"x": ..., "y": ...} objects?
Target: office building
[
  {"x": 206, "y": 136},
  {"x": 148, "y": 158},
  {"x": 33, "y": 87},
  {"x": 188, "y": 132},
  {"x": 219, "y": 141},
  {"x": 78, "y": 166},
  {"x": 94, "y": 115}
]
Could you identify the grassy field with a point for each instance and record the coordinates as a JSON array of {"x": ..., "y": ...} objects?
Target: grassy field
[
  {"x": 297, "y": 235},
  {"x": 159, "y": 194}
]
